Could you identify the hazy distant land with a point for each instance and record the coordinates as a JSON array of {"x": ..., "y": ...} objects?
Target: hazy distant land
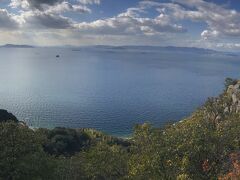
[{"x": 16, "y": 46}]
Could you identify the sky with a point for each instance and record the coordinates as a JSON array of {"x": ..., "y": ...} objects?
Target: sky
[{"x": 213, "y": 24}]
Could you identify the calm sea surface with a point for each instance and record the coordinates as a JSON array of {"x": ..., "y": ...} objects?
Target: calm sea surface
[{"x": 110, "y": 90}]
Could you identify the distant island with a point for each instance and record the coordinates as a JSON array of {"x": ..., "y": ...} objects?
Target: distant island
[
  {"x": 134, "y": 48},
  {"x": 150, "y": 49},
  {"x": 172, "y": 48},
  {"x": 16, "y": 46},
  {"x": 142, "y": 49},
  {"x": 153, "y": 48}
]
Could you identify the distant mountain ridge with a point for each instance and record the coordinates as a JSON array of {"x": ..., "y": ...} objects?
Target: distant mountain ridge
[
  {"x": 133, "y": 48},
  {"x": 154, "y": 47},
  {"x": 150, "y": 49},
  {"x": 16, "y": 46}
]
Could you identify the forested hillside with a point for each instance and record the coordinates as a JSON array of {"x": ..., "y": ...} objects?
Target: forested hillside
[{"x": 203, "y": 146}]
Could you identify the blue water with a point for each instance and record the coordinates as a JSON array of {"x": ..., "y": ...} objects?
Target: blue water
[{"x": 108, "y": 90}]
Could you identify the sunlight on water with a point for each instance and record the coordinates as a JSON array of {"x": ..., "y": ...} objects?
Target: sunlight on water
[{"x": 108, "y": 90}]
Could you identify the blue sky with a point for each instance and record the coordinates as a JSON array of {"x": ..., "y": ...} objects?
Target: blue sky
[{"x": 211, "y": 24}]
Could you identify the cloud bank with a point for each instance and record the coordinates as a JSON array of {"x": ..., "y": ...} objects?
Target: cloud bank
[{"x": 61, "y": 19}]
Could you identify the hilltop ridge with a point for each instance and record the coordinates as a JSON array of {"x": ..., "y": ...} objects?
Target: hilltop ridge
[
  {"x": 206, "y": 145},
  {"x": 16, "y": 46}
]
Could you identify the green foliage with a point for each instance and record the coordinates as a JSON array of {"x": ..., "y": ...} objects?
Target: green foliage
[
  {"x": 65, "y": 141},
  {"x": 147, "y": 160},
  {"x": 6, "y": 116},
  {"x": 197, "y": 147},
  {"x": 105, "y": 162},
  {"x": 230, "y": 81},
  {"x": 21, "y": 154}
]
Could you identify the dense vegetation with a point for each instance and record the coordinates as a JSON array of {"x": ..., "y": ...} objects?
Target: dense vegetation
[{"x": 204, "y": 146}]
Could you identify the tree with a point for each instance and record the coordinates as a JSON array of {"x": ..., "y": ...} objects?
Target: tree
[
  {"x": 105, "y": 162},
  {"x": 65, "y": 141},
  {"x": 6, "y": 116},
  {"x": 21, "y": 154},
  {"x": 230, "y": 81}
]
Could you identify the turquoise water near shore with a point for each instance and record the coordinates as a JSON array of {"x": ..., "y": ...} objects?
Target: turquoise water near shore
[{"x": 110, "y": 90}]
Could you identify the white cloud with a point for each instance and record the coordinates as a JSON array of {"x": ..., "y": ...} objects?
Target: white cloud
[
  {"x": 50, "y": 16},
  {"x": 206, "y": 34},
  {"x": 228, "y": 45},
  {"x": 46, "y": 14},
  {"x": 19, "y": 3},
  {"x": 7, "y": 20},
  {"x": 38, "y": 19},
  {"x": 66, "y": 6},
  {"x": 33, "y": 4},
  {"x": 220, "y": 20},
  {"x": 132, "y": 12},
  {"x": 90, "y": 1},
  {"x": 130, "y": 25}
]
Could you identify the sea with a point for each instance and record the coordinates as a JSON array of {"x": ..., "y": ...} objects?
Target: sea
[{"x": 110, "y": 89}]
